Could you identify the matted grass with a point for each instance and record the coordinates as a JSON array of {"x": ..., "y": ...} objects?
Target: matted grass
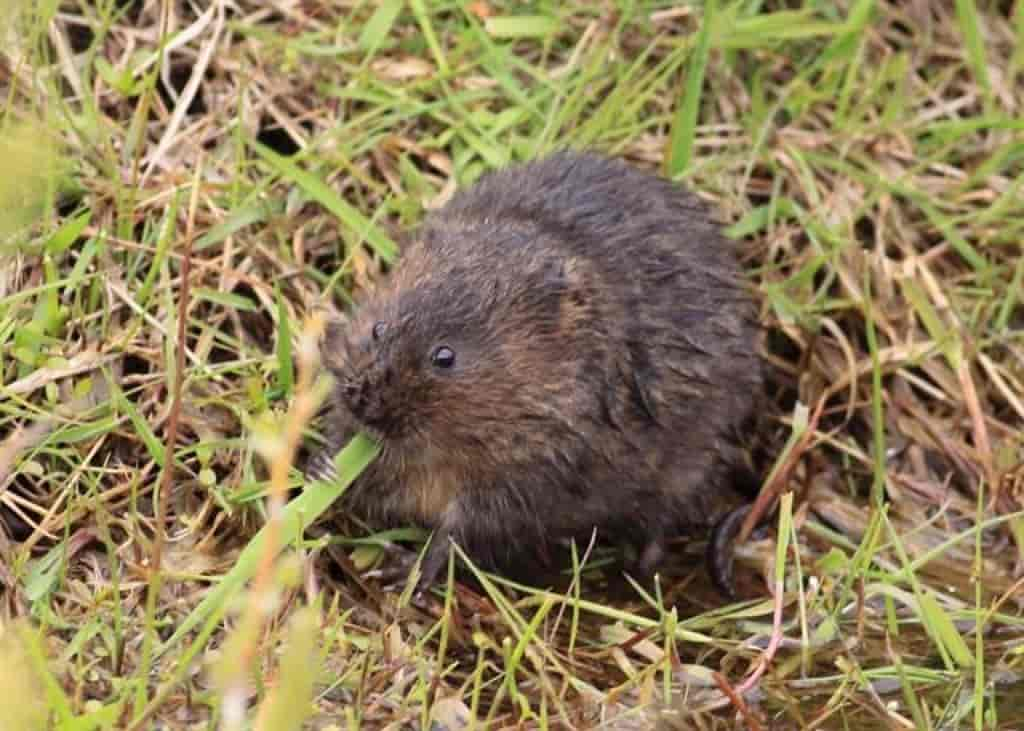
[{"x": 869, "y": 155}]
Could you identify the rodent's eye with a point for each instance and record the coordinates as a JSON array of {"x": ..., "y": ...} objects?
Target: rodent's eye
[
  {"x": 443, "y": 357},
  {"x": 377, "y": 331}
]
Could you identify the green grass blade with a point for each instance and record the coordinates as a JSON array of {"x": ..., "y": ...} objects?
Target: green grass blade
[
  {"x": 970, "y": 30},
  {"x": 377, "y": 28},
  {"x": 299, "y": 513},
  {"x": 285, "y": 368},
  {"x": 684, "y": 127},
  {"x": 322, "y": 193},
  {"x": 521, "y": 26}
]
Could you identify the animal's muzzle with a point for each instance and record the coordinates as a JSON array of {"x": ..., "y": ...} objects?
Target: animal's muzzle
[{"x": 356, "y": 393}]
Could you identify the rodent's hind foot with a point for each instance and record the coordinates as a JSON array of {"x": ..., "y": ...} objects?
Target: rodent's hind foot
[
  {"x": 435, "y": 560},
  {"x": 721, "y": 545}
]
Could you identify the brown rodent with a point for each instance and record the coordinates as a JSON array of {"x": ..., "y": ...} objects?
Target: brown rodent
[{"x": 566, "y": 345}]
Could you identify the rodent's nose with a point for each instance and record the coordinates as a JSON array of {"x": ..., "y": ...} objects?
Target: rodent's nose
[
  {"x": 356, "y": 394},
  {"x": 364, "y": 394},
  {"x": 354, "y": 391}
]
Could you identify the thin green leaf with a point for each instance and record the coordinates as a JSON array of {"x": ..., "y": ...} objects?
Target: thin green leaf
[
  {"x": 970, "y": 30},
  {"x": 684, "y": 127},
  {"x": 142, "y": 427},
  {"x": 226, "y": 299},
  {"x": 945, "y": 631},
  {"x": 298, "y": 514},
  {"x": 324, "y": 195},
  {"x": 377, "y": 28},
  {"x": 285, "y": 368},
  {"x": 521, "y": 26},
  {"x": 67, "y": 234}
]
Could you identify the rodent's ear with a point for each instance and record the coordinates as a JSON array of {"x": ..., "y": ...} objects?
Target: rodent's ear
[
  {"x": 334, "y": 330},
  {"x": 571, "y": 278},
  {"x": 565, "y": 293}
]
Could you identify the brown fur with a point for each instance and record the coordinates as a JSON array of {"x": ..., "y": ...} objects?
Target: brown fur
[{"x": 605, "y": 352}]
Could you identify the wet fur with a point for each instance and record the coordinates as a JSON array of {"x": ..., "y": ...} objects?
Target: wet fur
[{"x": 605, "y": 350}]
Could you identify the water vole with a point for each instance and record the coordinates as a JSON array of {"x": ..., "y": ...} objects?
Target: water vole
[{"x": 566, "y": 345}]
